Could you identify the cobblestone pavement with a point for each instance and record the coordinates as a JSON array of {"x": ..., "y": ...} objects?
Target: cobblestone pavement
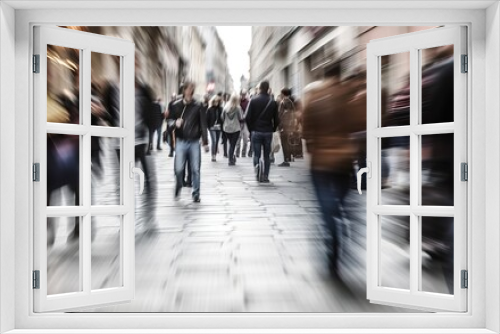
[{"x": 247, "y": 247}]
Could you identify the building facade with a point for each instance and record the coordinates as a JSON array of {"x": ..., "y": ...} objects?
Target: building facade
[{"x": 293, "y": 57}]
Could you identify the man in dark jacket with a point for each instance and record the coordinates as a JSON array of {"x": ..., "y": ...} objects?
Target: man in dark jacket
[
  {"x": 262, "y": 120},
  {"x": 190, "y": 125}
]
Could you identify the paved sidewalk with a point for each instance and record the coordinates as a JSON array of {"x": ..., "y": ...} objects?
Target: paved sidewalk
[{"x": 247, "y": 247}]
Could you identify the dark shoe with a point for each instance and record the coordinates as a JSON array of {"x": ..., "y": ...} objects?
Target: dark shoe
[
  {"x": 243, "y": 156},
  {"x": 177, "y": 193},
  {"x": 159, "y": 148},
  {"x": 148, "y": 152},
  {"x": 250, "y": 154},
  {"x": 196, "y": 199},
  {"x": 257, "y": 172},
  {"x": 271, "y": 160},
  {"x": 171, "y": 154},
  {"x": 284, "y": 164},
  {"x": 231, "y": 163},
  {"x": 265, "y": 180}
]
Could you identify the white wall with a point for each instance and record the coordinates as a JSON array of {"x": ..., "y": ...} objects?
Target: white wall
[
  {"x": 7, "y": 161},
  {"x": 492, "y": 151}
]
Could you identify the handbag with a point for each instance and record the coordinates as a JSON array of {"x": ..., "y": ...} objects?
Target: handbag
[
  {"x": 216, "y": 127},
  {"x": 275, "y": 143},
  {"x": 294, "y": 138}
]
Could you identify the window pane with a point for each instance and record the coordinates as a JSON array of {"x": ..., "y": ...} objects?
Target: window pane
[
  {"x": 106, "y": 246},
  {"x": 395, "y": 89},
  {"x": 63, "y": 255},
  {"x": 63, "y": 85},
  {"x": 437, "y": 84},
  {"x": 105, "y": 89},
  {"x": 395, "y": 252},
  {"x": 105, "y": 158},
  {"x": 437, "y": 254},
  {"x": 395, "y": 168},
  {"x": 437, "y": 170},
  {"x": 63, "y": 170}
]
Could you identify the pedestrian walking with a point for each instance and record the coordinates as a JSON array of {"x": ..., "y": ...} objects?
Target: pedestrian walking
[
  {"x": 262, "y": 120},
  {"x": 143, "y": 106},
  {"x": 214, "y": 123},
  {"x": 155, "y": 124},
  {"x": 330, "y": 117},
  {"x": 244, "y": 134},
  {"x": 170, "y": 125},
  {"x": 232, "y": 116},
  {"x": 288, "y": 128},
  {"x": 190, "y": 126}
]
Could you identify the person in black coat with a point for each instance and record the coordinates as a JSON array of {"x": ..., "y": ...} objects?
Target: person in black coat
[
  {"x": 214, "y": 124},
  {"x": 262, "y": 120},
  {"x": 155, "y": 124}
]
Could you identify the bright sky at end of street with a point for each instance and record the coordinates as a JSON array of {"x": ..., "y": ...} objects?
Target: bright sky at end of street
[{"x": 237, "y": 40}]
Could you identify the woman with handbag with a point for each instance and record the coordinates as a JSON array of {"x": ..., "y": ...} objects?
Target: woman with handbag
[{"x": 214, "y": 123}]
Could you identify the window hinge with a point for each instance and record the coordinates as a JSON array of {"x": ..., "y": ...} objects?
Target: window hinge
[
  {"x": 465, "y": 279},
  {"x": 36, "y": 63},
  {"x": 36, "y": 172},
  {"x": 465, "y": 63},
  {"x": 36, "y": 279},
  {"x": 464, "y": 172}
]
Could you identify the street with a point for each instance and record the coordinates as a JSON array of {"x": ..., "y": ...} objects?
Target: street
[{"x": 247, "y": 247}]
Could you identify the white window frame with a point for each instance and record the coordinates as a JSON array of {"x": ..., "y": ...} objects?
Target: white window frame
[
  {"x": 413, "y": 44},
  {"x": 87, "y": 44},
  {"x": 482, "y": 316}
]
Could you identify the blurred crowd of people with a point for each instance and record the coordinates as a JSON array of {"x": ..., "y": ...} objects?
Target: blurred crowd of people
[{"x": 330, "y": 120}]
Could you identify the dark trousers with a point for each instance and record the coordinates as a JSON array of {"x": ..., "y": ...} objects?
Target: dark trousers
[
  {"x": 152, "y": 132},
  {"x": 232, "y": 138},
  {"x": 140, "y": 155},
  {"x": 224, "y": 143},
  {"x": 259, "y": 140},
  {"x": 331, "y": 190}
]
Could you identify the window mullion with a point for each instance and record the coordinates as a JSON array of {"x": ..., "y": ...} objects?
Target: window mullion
[
  {"x": 414, "y": 171},
  {"x": 85, "y": 167}
]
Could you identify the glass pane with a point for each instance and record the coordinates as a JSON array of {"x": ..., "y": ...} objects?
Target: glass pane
[
  {"x": 106, "y": 245},
  {"x": 63, "y": 170},
  {"x": 395, "y": 252},
  {"x": 437, "y": 84},
  {"x": 105, "y": 89},
  {"x": 395, "y": 93},
  {"x": 437, "y": 170},
  {"x": 63, "y": 255},
  {"x": 437, "y": 254},
  {"x": 395, "y": 167},
  {"x": 105, "y": 159},
  {"x": 63, "y": 85}
]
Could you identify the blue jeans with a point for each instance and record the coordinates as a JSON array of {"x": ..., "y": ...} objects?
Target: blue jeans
[
  {"x": 331, "y": 190},
  {"x": 214, "y": 140},
  {"x": 260, "y": 139},
  {"x": 185, "y": 149}
]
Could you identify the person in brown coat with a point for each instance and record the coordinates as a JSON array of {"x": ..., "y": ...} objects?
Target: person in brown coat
[{"x": 333, "y": 110}]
